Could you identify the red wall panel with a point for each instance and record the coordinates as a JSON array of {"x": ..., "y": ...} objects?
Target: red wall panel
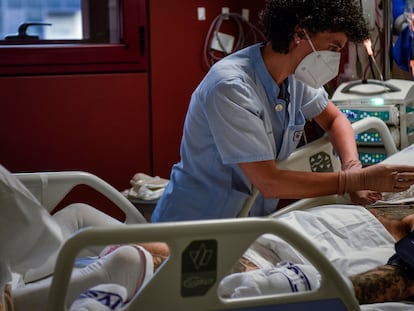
[
  {"x": 96, "y": 123},
  {"x": 176, "y": 67}
]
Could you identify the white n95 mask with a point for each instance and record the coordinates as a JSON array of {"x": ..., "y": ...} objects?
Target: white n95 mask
[{"x": 318, "y": 68}]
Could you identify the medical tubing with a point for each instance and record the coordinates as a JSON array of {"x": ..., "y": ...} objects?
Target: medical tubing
[{"x": 241, "y": 36}]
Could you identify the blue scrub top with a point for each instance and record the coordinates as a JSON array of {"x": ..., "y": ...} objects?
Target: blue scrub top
[{"x": 235, "y": 116}]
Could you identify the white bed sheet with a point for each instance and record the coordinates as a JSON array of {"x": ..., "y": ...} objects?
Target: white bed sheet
[{"x": 350, "y": 236}]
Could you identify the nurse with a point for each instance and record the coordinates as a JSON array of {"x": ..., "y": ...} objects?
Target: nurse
[{"x": 250, "y": 111}]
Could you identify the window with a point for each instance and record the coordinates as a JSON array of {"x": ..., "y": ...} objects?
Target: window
[{"x": 67, "y": 36}]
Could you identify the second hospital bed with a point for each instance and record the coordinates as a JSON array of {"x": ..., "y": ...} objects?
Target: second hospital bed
[{"x": 226, "y": 240}]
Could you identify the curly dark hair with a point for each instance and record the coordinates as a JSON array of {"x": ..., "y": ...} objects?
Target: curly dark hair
[{"x": 280, "y": 17}]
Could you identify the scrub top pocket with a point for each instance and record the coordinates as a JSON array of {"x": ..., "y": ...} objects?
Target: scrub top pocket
[{"x": 291, "y": 139}]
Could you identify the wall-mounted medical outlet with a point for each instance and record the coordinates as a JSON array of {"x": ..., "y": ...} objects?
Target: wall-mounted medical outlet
[
  {"x": 245, "y": 14},
  {"x": 222, "y": 42},
  {"x": 225, "y": 11},
  {"x": 201, "y": 14}
]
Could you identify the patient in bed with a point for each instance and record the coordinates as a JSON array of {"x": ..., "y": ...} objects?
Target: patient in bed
[
  {"x": 96, "y": 265},
  {"x": 373, "y": 280},
  {"x": 358, "y": 225},
  {"x": 354, "y": 241},
  {"x": 31, "y": 241}
]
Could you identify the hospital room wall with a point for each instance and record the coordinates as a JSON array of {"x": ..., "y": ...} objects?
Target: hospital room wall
[{"x": 95, "y": 123}]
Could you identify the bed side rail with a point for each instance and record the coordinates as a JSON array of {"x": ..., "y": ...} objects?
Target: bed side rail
[
  {"x": 184, "y": 287},
  {"x": 51, "y": 187}
]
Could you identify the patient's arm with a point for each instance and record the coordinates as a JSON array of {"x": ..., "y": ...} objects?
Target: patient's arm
[
  {"x": 388, "y": 282},
  {"x": 398, "y": 228},
  {"x": 385, "y": 283}
]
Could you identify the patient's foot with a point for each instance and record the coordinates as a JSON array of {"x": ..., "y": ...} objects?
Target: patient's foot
[
  {"x": 397, "y": 228},
  {"x": 126, "y": 265},
  {"x": 159, "y": 252}
]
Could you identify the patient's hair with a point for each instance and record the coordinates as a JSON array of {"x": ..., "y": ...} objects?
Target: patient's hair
[{"x": 280, "y": 17}]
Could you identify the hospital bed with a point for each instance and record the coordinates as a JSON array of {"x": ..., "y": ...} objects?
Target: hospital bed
[
  {"x": 225, "y": 240},
  {"x": 179, "y": 288}
]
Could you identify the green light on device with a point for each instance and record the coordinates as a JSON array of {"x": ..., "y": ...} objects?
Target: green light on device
[{"x": 377, "y": 101}]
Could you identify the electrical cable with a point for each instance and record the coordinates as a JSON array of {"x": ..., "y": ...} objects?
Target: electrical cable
[
  {"x": 374, "y": 52},
  {"x": 209, "y": 55},
  {"x": 364, "y": 64},
  {"x": 369, "y": 65},
  {"x": 368, "y": 47},
  {"x": 371, "y": 68}
]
